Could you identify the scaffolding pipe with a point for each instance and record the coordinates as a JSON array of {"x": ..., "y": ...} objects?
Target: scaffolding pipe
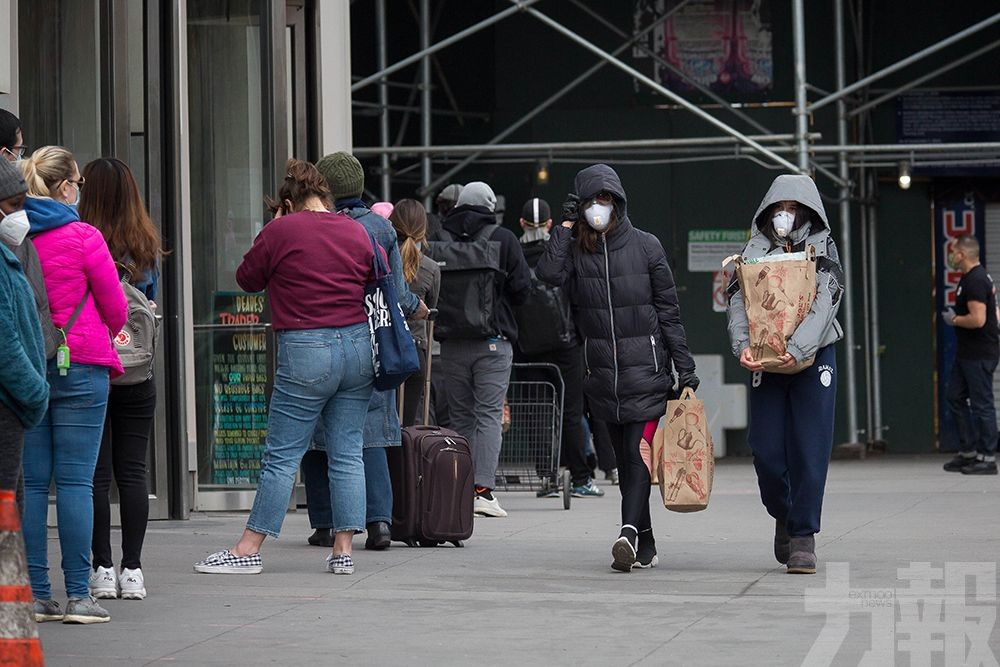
[
  {"x": 927, "y": 77},
  {"x": 558, "y": 146},
  {"x": 545, "y": 104},
  {"x": 801, "y": 94},
  {"x": 909, "y": 60},
  {"x": 987, "y": 146},
  {"x": 426, "y": 166},
  {"x": 845, "y": 218},
  {"x": 704, "y": 90},
  {"x": 876, "y": 346},
  {"x": 865, "y": 302},
  {"x": 428, "y": 49},
  {"x": 383, "y": 98},
  {"x": 677, "y": 99}
]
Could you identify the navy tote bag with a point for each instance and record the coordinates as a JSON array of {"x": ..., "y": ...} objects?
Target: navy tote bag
[{"x": 393, "y": 352}]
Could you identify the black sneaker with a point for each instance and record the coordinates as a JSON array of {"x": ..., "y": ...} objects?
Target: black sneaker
[
  {"x": 645, "y": 555},
  {"x": 980, "y": 468},
  {"x": 321, "y": 537},
  {"x": 624, "y": 550},
  {"x": 959, "y": 462},
  {"x": 782, "y": 542}
]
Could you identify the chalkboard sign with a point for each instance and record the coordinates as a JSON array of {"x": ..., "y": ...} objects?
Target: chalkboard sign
[{"x": 242, "y": 378}]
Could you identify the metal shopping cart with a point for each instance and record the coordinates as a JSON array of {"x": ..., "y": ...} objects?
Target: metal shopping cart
[{"x": 529, "y": 457}]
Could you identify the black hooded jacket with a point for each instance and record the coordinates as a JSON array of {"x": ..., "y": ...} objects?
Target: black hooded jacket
[
  {"x": 466, "y": 221},
  {"x": 625, "y": 307}
]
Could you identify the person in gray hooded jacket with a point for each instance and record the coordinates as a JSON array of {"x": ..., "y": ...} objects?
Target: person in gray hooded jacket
[{"x": 791, "y": 416}]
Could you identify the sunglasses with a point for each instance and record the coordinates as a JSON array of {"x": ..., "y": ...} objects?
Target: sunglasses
[
  {"x": 78, "y": 183},
  {"x": 603, "y": 198}
]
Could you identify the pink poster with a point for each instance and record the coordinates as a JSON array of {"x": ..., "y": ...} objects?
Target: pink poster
[{"x": 724, "y": 45}]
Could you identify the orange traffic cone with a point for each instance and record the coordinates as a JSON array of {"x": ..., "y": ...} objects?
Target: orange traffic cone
[{"x": 19, "y": 643}]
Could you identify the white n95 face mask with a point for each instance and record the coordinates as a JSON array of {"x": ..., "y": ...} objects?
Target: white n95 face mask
[
  {"x": 14, "y": 227},
  {"x": 598, "y": 216},
  {"x": 783, "y": 222}
]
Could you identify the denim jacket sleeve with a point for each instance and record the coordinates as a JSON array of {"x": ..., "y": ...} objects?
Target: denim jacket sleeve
[{"x": 407, "y": 299}]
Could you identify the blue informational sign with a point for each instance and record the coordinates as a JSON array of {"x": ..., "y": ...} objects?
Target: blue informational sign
[
  {"x": 954, "y": 215},
  {"x": 938, "y": 117}
]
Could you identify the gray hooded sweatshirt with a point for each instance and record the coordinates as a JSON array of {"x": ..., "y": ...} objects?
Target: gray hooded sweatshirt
[{"x": 820, "y": 327}]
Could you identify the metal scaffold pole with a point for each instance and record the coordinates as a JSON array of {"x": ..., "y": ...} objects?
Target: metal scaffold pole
[
  {"x": 383, "y": 98},
  {"x": 845, "y": 227},
  {"x": 801, "y": 114},
  {"x": 426, "y": 166}
]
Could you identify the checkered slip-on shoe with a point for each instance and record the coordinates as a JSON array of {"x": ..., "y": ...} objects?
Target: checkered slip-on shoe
[
  {"x": 225, "y": 562},
  {"x": 342, "y": 564}
]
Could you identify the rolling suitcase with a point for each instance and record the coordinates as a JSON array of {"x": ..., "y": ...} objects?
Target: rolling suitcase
[{"x": 433, "y": 485}]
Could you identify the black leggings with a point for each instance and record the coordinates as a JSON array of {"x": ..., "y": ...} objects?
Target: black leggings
[
  {"x": 124, "y": 448},
  {"x": 633, "y": 475}
]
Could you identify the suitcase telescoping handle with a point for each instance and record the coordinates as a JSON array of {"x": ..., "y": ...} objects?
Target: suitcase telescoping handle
[
  {"x": 431, "y": 316},
  {"x": 400, "y": 392}
]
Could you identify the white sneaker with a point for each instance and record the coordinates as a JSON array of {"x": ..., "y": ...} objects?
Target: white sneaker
[
  {"x": 133, "y": 585},
  {"x": 104, "y": 583},
  {"x": 488, "y": 507}
]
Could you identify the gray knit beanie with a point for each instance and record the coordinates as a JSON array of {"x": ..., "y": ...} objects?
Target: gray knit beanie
[
  {"x": 343, "y": 173},
  {"x": 11, "y": 181},
  {"x": 477, "y": 193}
]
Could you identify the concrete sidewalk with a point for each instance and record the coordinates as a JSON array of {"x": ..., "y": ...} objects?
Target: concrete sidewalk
[{"x": 536, "y": 588}]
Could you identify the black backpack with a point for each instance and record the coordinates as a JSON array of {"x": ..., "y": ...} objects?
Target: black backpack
[
  {"x": 471, "y": 279},
  {"x": 544, "y": 320}
]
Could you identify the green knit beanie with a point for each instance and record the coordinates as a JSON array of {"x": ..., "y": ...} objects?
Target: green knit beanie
[{"x": 343, "y": 173}]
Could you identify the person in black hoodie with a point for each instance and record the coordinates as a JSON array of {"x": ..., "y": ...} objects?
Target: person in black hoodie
[
  {"x": 478, "y": 371},
  {"x": 625, "y": 306}
]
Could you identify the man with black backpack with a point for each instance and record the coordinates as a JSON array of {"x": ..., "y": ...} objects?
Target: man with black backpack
[
  {"x": 483, "y": 276},
  {"x": 549, "y": 336}
]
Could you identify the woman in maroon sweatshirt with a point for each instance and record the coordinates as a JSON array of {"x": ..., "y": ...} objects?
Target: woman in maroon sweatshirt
[{"x": 314, "y": 265}]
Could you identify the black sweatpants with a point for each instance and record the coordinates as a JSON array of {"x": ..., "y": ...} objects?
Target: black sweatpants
[
  {"x": 124, "y": 448},
  {"x": 791, "y": 437},
  {"x": 11, "y": 451},
  {"x": 573, "y": 448},
  {"x": 633, "y": 475}
]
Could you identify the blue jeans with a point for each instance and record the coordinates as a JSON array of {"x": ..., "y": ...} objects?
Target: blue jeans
[
  {"x": 970, "y": 398},
  {"x": 64, "y": 447},
  {"x": 322, "y": 374},
  {"x": 378, "y": 488}
]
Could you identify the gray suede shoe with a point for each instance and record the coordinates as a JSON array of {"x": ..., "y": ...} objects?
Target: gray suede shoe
[
  {"x": 782, "y": 543},
  {"x": 803, "y": 555}
]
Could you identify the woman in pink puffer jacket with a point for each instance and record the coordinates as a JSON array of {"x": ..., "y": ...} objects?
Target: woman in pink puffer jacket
[{"x": 88, "y": 304}]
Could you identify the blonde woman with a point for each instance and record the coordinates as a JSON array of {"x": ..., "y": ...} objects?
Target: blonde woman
[{"x": 88, "y": 305}]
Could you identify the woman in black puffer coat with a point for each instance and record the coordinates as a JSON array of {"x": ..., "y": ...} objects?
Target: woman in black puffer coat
[{"x": 625, "y": 306}]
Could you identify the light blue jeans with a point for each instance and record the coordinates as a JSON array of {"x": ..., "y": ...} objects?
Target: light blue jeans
[
  {"x": 64, "y": 447},
  {"x": 322, "y": 374}
]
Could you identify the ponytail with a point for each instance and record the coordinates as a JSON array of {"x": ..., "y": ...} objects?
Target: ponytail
[
  {"x": 411, "y": 258},
  {"x": 410, "y": 222},
  {"x": 46, "y": 168}
]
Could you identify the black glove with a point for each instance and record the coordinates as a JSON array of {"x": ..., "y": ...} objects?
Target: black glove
[
  {"x": 571, "y": 208},
  {"x": 689, "y": 381}
]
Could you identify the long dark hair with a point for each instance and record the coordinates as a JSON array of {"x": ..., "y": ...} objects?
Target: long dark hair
[
  {"x": 111, "y": 202},
  {"x": 410, "y": 221},
  {"x": 803, "y": 214}
]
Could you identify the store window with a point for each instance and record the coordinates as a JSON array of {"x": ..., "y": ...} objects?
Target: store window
[
  {"x": 60, "y": 75},
  {"x": 230, "y": 172}
]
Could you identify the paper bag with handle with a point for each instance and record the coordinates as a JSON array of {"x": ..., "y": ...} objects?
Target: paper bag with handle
[
  {"x": 683, "y": 455},
  {"x": 778, "y": 291}
]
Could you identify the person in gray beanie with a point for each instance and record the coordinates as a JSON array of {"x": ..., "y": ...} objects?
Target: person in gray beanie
[
  {"x": 446, "y": 200},
  {"x": 477, "y": 370},
  {"x": 346, "y": 178}
]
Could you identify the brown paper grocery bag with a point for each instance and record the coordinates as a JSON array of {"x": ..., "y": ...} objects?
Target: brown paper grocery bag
[
  {"x": 686, "y": 456},
  {"x": 778, "y": 291}
]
